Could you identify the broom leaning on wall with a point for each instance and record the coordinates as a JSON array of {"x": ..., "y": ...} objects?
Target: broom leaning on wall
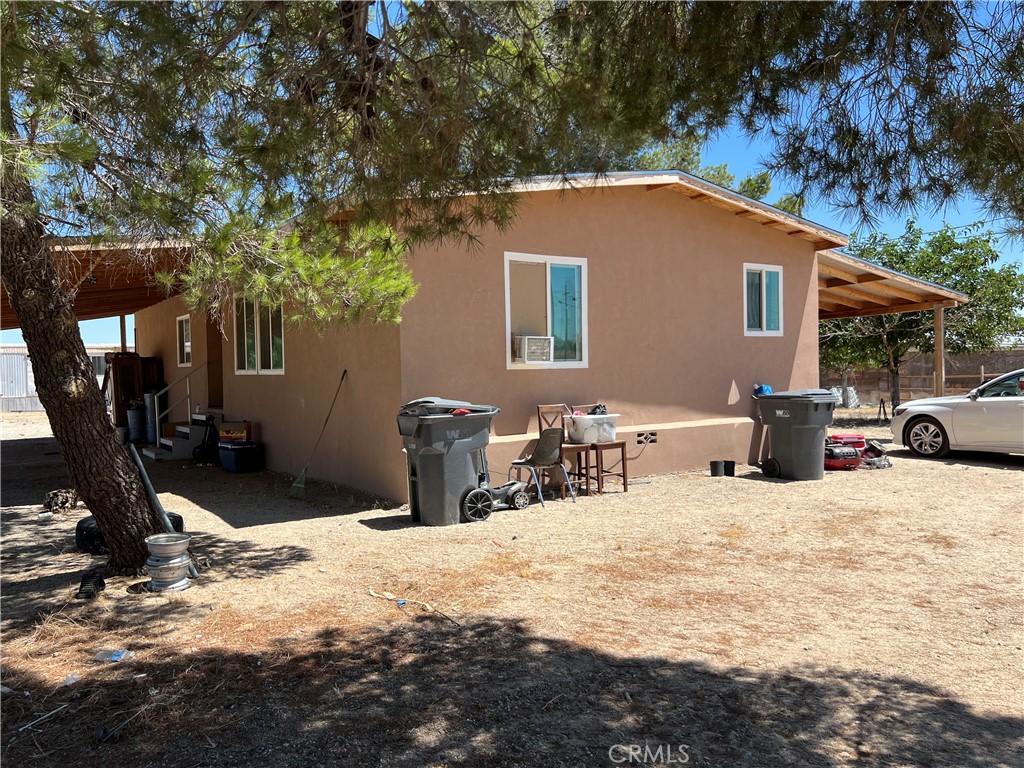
[{"x": 298, "y": 489}]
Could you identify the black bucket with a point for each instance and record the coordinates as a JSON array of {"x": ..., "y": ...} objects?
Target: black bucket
[
  {"x": 717, "y": 468},
  {"x": 730, "y": 468}
]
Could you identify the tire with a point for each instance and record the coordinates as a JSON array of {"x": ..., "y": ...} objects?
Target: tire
[
  {"x": 926, "y": 438},
  {"x": 521, "y": 500},
  {"x": 477, "y": 506},
  {"x": 771, "y": 468},
  {"x": 89, "y": 537}
]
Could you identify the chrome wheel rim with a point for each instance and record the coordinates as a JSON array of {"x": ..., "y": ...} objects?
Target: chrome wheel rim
[{"x": 926, "y": 438}]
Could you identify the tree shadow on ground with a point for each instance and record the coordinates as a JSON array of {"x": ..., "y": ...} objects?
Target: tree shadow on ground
[
  {"x": 487, "y": 692},
  {"x": 42, "y": 571},
  {"x": 259, "y": 498},
  {"x": 32, "y": 467}
]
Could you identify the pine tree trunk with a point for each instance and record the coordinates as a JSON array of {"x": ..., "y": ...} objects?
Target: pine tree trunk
[{"x": 100, "y": 468}]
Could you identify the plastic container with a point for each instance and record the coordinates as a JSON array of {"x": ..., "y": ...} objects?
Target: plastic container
[
  {"x": 798, "y": 420},
  {"x": 591, "y": 429},
  {"x": 445, "y": 453},
  {"x": 241, "y": 455}
]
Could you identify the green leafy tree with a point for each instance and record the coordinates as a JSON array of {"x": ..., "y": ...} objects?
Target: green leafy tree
[
  {"x": 683, "y": 154},
  {"x": 244, "y": 128},
  {"x": 964, "y": 261}
]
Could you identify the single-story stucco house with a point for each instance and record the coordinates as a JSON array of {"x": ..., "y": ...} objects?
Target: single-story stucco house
[{"x": 661, "y": 295}]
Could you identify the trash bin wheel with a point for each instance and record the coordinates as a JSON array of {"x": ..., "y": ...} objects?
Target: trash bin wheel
[
  {"x": 477, "y": 506},
  {"x": 771, "y": 468},
  {"x": 521, "y": 500}
]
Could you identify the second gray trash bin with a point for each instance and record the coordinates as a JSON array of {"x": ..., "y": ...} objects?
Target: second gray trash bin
[
  {"x": 798, "y": 419},
  {"x": 445, "y": 455}
]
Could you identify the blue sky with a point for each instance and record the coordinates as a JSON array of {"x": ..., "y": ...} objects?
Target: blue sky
[{"x": 743, "y": 157}]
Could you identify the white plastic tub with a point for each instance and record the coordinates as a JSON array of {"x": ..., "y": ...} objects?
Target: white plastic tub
[{"x": 591, "y": 429}]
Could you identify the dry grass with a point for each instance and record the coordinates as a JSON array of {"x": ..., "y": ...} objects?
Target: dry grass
[{"x": 872, "y": 618}]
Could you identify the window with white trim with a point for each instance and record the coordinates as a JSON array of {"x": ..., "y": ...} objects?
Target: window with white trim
[
  {"x": 184, "y": 341},
  {"x": 545, "y": 311},
  {"x": 259, "y": 338},
  {"x": 762, "y": 300}
]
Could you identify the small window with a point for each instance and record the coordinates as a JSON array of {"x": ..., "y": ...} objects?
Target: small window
[
  {"x": 259, "y": 338},
  {"x": 184, "y": 341},
  {"x": 762, "y": 300},
  {"x": 545, "y": 311}
]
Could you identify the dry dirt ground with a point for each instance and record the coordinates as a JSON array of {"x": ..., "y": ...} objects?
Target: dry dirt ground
[{"x": 873, "y": 618}]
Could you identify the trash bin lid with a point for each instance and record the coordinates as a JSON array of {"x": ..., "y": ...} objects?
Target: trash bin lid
[
  {"x": 439, "y": 406},
  {"x": 814, "y": 395}
]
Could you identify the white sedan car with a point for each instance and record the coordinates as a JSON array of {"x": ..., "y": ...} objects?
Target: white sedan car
[{"x": 989, "y": 418}]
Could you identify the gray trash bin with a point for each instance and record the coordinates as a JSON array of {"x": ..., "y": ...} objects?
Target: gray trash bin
[
  {"x": 798, "y": 419},
  {"x": 445, "y": 455}
]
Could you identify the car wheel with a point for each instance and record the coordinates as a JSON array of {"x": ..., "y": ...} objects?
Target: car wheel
[{"x": 926, "y": 437}]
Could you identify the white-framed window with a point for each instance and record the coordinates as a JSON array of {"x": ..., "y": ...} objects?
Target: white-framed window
[
  {"x": 545, "y": 311},
  {"x": 762, "y": 300},
  {"x": 184, "y": 341},
  {"x": 259, "y": 338}
]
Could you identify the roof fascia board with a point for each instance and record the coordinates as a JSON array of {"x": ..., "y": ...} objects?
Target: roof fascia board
[
  {"x": 857, "y": 263},
  {"x": 684, "y": 181}
]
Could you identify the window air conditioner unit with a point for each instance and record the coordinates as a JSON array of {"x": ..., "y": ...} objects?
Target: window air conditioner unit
[{"x": 535, "y": 349}]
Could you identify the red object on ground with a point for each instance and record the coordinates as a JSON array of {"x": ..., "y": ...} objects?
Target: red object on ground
[
  {"x": 853, "y": 441},
  {"x": 841, "y": 457}
]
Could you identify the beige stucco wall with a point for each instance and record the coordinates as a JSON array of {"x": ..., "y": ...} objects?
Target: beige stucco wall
[
  {"x": 361, "y": 447},
  {"x": 666, "y": 326},
  {"x": 667, "y": 348},
  {"x": 156, "y": 336}
]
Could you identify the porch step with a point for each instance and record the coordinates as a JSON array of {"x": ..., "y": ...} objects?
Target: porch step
[
  {"x": 156, "y": 452},
  {"x": 180, "y": 446}
]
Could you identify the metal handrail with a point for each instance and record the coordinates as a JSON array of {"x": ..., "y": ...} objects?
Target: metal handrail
[{"x": 187, "y": 378}]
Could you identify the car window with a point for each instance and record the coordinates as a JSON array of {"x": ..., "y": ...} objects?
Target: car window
[{"x": 1012, "y": 387}]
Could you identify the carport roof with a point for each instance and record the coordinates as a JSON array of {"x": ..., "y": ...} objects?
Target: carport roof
[
  {"x": 852, "y": 287},
  {"x": 113, "y": 279}
]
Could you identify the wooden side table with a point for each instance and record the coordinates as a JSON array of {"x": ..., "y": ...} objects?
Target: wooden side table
[
  {"x": 599, "y": 466},
  {"x": 581, "y": 466}
]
